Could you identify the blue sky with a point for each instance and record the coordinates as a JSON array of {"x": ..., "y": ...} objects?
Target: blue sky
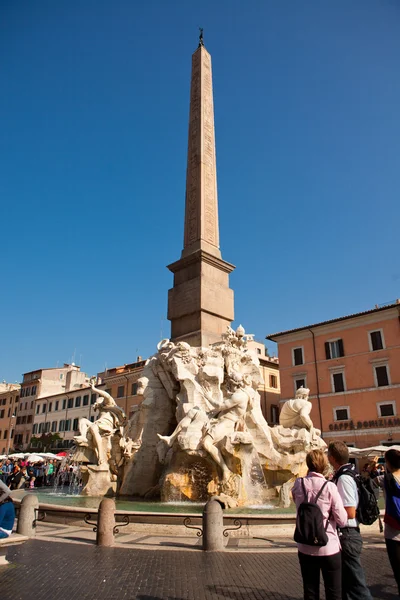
[{"x": 94, "y": 102}]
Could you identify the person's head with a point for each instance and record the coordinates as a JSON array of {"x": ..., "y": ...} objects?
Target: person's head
[
  {"x": 392, "y": 458},
  {"x": 338, "y": 454},
  {"x": 316, "y": 461}
]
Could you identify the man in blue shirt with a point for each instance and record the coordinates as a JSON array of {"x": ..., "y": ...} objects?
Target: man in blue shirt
[{"x": 7, "y": 512}]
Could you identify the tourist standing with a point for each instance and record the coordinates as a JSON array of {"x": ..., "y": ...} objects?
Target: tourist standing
[
  {"x": 7, "y": 512},
  {"x": 316, "y": 559},
  {"x": 391, "y": 487},
  {"x": 354, "y": 586},
  {"x": 50, "y": 473}
]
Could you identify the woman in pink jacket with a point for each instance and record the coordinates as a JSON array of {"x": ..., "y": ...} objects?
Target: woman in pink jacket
[{"x": 314, "y": 559}]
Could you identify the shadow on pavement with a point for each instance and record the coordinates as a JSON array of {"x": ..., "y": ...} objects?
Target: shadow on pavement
[{"x": 249, "y": 593}]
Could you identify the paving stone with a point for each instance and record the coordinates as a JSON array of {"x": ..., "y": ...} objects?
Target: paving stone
[{"x": 46, "y": 570}]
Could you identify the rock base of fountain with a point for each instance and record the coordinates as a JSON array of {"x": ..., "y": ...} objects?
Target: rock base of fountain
[{"x": 97, "y": 481}]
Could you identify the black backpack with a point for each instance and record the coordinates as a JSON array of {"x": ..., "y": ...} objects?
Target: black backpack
[
  {"x": 367, "y": 511},
  {"x": 310, "y": 528}
]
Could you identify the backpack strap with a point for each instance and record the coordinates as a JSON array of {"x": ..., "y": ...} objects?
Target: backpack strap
[
  {"x": 320, "y": 492},
  {"x": 304, "y": 489}
]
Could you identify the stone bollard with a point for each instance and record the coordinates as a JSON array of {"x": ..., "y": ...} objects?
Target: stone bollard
[
  {"x": 27, "y": 516},
  {"x": 213, "y": 526},
  {"x": 106, "y": 523}
]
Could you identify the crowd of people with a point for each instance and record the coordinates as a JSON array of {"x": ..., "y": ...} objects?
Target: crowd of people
[
  {"x": 17, "y": 474},
  {"x": 327, "y": 529}
]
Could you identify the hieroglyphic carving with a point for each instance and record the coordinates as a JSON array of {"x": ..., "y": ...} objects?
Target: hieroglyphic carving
[{"x": 201, "y": 216}]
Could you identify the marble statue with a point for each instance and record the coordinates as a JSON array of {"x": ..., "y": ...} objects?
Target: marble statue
[
  {"x": 296, "y": 412},
  {"x": 111, "y": 417},
  {"x": 199, "y": 430}
]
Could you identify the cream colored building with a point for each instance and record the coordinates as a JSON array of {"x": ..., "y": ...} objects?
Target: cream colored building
[
  {"x": 60, "y": 413},
  {"x": 41, "y": 384}
]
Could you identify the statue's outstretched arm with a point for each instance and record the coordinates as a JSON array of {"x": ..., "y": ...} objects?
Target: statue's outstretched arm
[{"x": 103, "y": 394}]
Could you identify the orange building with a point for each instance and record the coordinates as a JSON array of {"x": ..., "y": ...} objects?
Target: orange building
[{"x": 352, "y": 367}]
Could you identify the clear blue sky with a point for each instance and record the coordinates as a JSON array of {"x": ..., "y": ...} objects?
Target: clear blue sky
[{"x": 94, "y": 101}]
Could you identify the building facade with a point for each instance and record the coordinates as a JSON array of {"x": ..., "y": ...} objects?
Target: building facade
[
  {"x": 9, "y": 399},
  {"x": 121, "y": 383},
  {"x": 352, "y": 367},
  {"x": 39, "y": 384},
  {"x": 270, "y": 389}
]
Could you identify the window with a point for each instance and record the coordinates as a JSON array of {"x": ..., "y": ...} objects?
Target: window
[
  {"x": 41, "y": 428},
  {"x": 376, "y": 340},
  {"x": 50, "y": 406},
  {"x": 134, "y": 389},
  {"x": 61, "y": 375},
  {"x": 338, "y": 382},
  {"x": 61, "y": 426},
  {"x": 26, "y": 405},
  {"x": 29, "y": 419},
  {"x": 86, "y": 400},
  {"x": 34, "y": 388},
  {"x": 54, "y": 426},
  {"x": 298, "y": 356},
  {"x": 34, "y": 430},
  {"x": 43, "y": 408},
  {"x": 27, "y": 438},
  {"x": 68, "y": 425},
  {"x": 381, "y": 376},
  {"x": 18, "y": 420},
  {"x": 31, "y": 405},
  {"x": 341, "y": 413},
  {"x": 64, "y": 404},
  {"x": 23, "y": 420},
  {"x": 70, "y": 402},
  {"x": 56, "y": 407},
  {"x": 298, "y": 383},
  {"x": 9, "y": 412},
  {"x": 334, "y": 349},
  {"x": 47, "y": 427},
  {"x": 23, "y": 393},
  {"x": 27, "y": 391},
  {"x": 274, "y": 414},
  {"x": 77, "y": 402},
  {"x": 258, "y": 350},
  {"x": 93, "y": 398},
  {"x": 121, "y": 391},
  {"x": 75, "y": 425},
  {"x": 273, "y": 381},
  {"x": 2, "y": 414},
  {"x": 37, "y": 409},
  {"x": 386, "y": 409}
]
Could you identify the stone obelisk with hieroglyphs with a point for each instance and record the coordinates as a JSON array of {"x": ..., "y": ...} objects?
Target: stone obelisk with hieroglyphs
[{"x": 200, "y": 304}]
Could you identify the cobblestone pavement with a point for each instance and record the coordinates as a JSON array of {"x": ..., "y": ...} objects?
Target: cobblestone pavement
[{"x": 64, "y": 570}]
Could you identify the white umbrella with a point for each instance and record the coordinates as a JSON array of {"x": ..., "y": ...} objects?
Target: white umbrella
[
  {"x": 34, "y": 458},
  {"x": 374, "y": 450},
  {"x": 49, "y": 455},
  {"x": 17, "y": 455}
]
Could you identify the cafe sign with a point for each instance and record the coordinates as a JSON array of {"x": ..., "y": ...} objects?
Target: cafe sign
[{"x": 351, "y": 425}]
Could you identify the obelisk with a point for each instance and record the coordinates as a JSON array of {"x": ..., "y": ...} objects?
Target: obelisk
[{"x": 200, "y": 304}]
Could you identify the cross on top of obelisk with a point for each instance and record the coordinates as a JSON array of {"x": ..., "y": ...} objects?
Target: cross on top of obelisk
[{"x": 201, "y": 40}]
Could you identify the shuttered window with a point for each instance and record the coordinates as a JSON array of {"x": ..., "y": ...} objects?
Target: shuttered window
[{"x": 334, "y": 349}]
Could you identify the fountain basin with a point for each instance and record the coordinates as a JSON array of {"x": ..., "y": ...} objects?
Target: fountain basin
[{"x": 152, "y": 517}]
